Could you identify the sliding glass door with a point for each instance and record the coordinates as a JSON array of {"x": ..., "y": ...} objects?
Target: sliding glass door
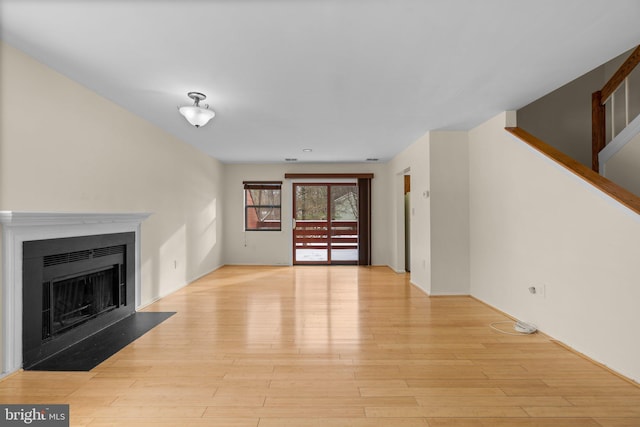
[{"x": 325, "y": 223}]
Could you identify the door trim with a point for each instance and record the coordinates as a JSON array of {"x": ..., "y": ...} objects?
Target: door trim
[{"x": 331, "y": 233}]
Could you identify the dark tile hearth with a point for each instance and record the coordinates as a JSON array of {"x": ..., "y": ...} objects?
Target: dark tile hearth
[{"x": 90, "y": 352}]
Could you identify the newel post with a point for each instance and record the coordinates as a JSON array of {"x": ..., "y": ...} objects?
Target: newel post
[{"x": 598, "y": 129}]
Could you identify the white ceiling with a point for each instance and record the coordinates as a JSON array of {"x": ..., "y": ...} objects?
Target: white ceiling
[{"x": 350, "y": 79}]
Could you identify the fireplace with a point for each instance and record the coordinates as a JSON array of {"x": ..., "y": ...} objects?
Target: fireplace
[
  {"x": 72, "y": 288},
  {"x": 19, "y": 228}
]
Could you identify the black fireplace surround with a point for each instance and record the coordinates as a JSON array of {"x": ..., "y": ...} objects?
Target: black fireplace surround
[{"x": 73, "y": 288}]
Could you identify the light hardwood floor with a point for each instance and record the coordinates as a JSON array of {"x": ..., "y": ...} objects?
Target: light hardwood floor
[{"x": 332, "y": 346}]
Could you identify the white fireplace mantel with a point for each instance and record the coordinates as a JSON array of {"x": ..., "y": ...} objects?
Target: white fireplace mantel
[{"x": 19, "y": 227}]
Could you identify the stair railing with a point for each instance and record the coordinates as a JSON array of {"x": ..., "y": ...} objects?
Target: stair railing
[{"x": 607, "y": 96}]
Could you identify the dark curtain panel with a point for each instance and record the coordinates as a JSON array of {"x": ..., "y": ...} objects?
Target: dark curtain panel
[{"x": 364, "y": 221}]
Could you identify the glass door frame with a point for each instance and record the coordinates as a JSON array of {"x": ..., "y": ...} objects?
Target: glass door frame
[{"x": 347, "y": 234}]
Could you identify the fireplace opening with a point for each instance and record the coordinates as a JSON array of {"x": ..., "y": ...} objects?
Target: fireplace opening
[
  {"x": 73, "y": 288},
  {"x": 69, "y": 302}
]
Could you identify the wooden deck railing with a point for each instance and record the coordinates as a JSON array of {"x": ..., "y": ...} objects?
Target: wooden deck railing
[
  {"x": 317, "y": 235},
  {"x": 598, "y": 101}
]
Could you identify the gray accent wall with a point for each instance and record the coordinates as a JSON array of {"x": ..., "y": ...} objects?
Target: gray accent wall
[{"x": 562, "y": 118}]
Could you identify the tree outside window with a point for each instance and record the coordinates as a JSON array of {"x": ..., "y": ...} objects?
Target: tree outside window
[{"x": 262, "y": 201}]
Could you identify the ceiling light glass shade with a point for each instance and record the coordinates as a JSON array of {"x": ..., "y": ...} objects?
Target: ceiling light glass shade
[{"x": 195, "y": 114}]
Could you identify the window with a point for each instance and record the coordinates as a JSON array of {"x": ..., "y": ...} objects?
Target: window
[{"x": 262, "y": 205}]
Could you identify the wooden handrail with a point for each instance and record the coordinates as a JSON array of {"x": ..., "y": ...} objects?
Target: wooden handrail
[
  {"x": 598, "y": 118},
  {"x": 623, "y": 72},
  {"x": 608, "y": 187}
]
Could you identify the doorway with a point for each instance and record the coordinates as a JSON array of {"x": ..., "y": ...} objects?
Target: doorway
[
  {"x": 407, "y": 223},
  {"x": 325, "y": 223}
]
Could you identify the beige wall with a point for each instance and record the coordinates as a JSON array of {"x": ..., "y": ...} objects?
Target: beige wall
[
  {"x": 438, "y": 164},
  {"x": 65, "y": 149},
  {"x": 274, "y": 247},
  {"x": 449, "y": 176},
  {"x": 622, "y": 168},
  {"x": 533, "y": 223},
  {"x": 413, "y": 161}
]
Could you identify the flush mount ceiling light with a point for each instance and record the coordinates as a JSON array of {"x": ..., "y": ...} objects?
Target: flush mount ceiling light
[{"x": 195, "y": 114}]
